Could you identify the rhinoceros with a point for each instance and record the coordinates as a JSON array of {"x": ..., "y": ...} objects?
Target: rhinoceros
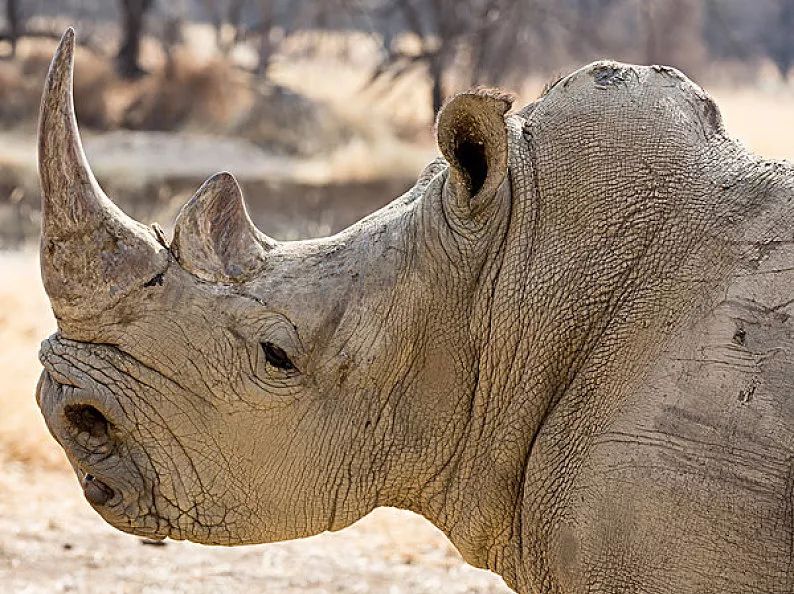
[{"x": 569, "y": 346}]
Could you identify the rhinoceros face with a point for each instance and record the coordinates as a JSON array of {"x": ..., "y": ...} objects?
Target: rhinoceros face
[{"x": 227, "y": 388}]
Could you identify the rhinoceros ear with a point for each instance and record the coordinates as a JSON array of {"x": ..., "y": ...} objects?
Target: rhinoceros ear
[
  {"x": 472, "y": 136},
  {"x": 214, "y": 238}
]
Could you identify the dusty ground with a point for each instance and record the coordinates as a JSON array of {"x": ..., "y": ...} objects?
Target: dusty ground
[{"x": 51, "y": 541}]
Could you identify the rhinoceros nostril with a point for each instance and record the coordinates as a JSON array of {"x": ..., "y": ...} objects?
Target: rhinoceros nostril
[
  {"x": 96, "y": 491},
  {"x": 86, "y": 418}
]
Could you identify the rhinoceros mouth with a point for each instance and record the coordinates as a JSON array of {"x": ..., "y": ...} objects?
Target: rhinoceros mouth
[{"x": 96, "y": 491}]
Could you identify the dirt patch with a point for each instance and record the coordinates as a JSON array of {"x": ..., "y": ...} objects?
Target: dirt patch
[
  {"x": 25, "y": 320},
  {"x": 150, "y": 175},
  {"x": 51, "y": 541}
]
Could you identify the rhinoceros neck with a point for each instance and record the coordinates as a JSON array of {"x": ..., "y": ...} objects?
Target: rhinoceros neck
[{"x": 582, "y": 305}]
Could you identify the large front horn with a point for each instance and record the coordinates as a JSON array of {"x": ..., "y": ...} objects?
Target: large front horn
[{"x": 92, "y": 254}]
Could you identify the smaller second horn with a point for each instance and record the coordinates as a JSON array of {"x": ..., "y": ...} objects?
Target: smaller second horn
[{"x": 214, "y": 238}]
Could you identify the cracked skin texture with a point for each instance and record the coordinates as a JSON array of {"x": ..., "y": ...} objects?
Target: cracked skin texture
[{"x": 569, "y": 346}]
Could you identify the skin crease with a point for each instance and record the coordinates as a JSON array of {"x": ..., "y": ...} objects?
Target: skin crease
[{"x": 569, "y": 348}]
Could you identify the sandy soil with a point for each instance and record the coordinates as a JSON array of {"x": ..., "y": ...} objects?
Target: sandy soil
[{"x": 52, "y": 541}]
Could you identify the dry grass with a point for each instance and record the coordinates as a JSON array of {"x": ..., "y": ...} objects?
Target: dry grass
[
  {"x": 402, "y": 105},
  {"x": 25, "y": 319}
]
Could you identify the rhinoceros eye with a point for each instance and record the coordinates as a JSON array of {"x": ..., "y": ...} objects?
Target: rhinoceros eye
[{"x": 277, "y": 357}]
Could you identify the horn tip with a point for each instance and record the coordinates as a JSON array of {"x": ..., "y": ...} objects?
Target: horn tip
[
  {"x": 223, "y": 186},
  {"x": 61, "y": 65},
  {"x": 223, "y": 179},
  {"x": 219, "y": 198},
  {"x": 55, "y": 130},
  {"x": 66, "y": 45}
]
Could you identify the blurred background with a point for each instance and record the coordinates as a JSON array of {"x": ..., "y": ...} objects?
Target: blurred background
[{"x": 323, "y": 109}]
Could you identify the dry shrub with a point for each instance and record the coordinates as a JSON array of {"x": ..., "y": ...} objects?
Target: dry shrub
[
  {"x": 19, "y": 93},
  {"x": 282, "y": 121},
  {"x": 94, "y": 82},
  {"x": 217, "y": 97},
  {"x": 178, "y": 95},
  {"x": 19, "y": 203},
  {"x": 212, "y": 96},
  {"x": 182, "y": 94},
  {"x": 22, "y": 80}
]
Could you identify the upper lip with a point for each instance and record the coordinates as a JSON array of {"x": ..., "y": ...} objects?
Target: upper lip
[
  {"x": 70, "y": 391},
  {"x": 89, "y": 460},
  {"x": 64, "y": 368},
  {"x": 96, "y": 490},
  {"x": 105, "y": 472}
]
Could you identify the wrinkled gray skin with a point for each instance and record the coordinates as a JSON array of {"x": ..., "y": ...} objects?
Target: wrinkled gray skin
[{"x": 571, "y": 348}]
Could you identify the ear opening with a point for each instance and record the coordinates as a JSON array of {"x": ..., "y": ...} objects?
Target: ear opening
[
  {"x": 470, "y": 154},
  {"x": 472, "y": 136}
]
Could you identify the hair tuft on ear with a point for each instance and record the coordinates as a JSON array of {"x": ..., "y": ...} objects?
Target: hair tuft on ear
[{"x": 497, "y": 94}]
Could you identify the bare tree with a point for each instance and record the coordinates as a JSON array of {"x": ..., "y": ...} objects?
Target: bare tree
[
  {"x": 443, "y": 29},
  {"x": 266, "y": 26},
  {"x": 227, "y": 13},
  {"x": 780, "y": 45},
  {"x": 271, "y": 23},
  {"x": 14, "y": 20},
  {"x": 215, "y": 13},
  {"x": 672, "y": 32},
  {"x": 170, "y": 38},
  {"x": 18, "y": 26},
  {"x": 133, "y": 14},
  {"x": 234, "y": 17}
]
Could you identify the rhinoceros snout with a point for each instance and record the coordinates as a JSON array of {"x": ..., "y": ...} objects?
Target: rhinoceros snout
[{"x": 84, "y": 432}]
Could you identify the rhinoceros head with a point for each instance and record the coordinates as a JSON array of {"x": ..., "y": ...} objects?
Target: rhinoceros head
[{"x": 228, "y": 388}]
